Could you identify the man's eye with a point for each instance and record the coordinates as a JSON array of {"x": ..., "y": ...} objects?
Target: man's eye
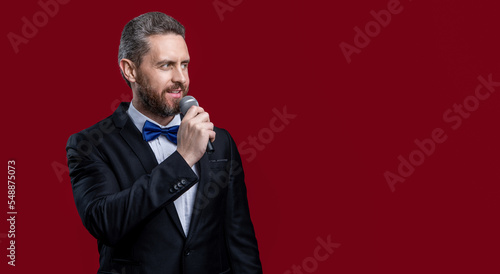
[
  {"x": 165, "y": 66},
  {"x": 184, "y": 66}
]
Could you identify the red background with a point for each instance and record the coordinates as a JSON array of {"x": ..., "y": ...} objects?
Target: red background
[{"x": 323, "y": 175}]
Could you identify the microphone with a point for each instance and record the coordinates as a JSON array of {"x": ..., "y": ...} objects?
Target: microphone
[{"x": 187, "y": 102}]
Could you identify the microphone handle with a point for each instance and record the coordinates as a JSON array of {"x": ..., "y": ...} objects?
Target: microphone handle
[{"x": 210, "y": 147}]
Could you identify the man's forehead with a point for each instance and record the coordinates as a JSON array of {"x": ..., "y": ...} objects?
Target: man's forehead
[{"x": 167, "y": 46}]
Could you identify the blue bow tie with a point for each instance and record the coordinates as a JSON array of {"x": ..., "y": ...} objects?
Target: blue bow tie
[{"x": 151, "y": 131}]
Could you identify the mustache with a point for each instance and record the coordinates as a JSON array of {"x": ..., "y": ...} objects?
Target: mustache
[{"x": 175, "y": 86}]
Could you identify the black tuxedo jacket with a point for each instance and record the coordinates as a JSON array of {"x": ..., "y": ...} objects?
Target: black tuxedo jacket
[{"x": 125, "y": 200}]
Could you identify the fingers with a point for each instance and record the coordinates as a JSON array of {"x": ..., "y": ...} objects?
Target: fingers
[
  {"x": 202, "y": 117},
  {"x": 194, "y": 111},
  {"x": 212, "y": 135},
  {"x": 206, "y": 128},
  {"x": 194, "y": 132},
  {"x": 196, "y": 117}
]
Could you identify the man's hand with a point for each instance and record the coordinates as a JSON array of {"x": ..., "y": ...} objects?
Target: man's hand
[{"x": 194, "y": 132}]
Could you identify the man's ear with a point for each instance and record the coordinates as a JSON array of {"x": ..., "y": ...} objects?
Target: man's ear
[{"x": 129, "y": 70}]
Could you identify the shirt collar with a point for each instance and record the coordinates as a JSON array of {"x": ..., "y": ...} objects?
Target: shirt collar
[{"x": 139, "y": 119}]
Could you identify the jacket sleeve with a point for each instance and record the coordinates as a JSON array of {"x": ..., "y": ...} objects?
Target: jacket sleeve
[
  {"x": 239, "y": 231},
  {"x": 108, "y": 212}
]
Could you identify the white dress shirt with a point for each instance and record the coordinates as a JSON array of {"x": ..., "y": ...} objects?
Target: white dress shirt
[{"x": 162, "y": 149}]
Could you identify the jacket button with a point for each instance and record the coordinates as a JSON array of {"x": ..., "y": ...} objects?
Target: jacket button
[
  {"x": 184, "y": 182},
  {"x": 176, "y": 187},
  {"x": 187, "y": 252},
  {"x": 171, "y": 190},
  {"x": 179, "y": 185}
]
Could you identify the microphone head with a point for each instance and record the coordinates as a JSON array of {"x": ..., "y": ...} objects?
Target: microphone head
[{"x": 187, "y": 102}]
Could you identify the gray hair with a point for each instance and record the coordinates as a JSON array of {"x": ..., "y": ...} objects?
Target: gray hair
[{"x": 134, "y": 43}]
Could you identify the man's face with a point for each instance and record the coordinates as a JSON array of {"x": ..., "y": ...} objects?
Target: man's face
[{"x": 162, "y": 78}]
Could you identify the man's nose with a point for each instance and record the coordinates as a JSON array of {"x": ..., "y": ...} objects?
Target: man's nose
[{"x": 178, "y": 76}]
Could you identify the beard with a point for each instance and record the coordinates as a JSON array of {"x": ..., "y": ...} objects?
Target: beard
[{"x": 157, "y": 103}]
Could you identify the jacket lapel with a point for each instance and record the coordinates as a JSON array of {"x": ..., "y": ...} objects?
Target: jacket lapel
[
  {"x": 132, "y": 136},
  {"x": 172, "y": 212},
  {"x": 140, "y": 147},
  {"x": 197, "y": 209},
  {"x": 142, "y": 150}
]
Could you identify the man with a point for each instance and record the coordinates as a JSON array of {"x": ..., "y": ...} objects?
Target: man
[{"x": 157, "y": 203}]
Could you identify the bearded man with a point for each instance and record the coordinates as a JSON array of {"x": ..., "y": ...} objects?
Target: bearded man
[{"x": 142, "y": 181}]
